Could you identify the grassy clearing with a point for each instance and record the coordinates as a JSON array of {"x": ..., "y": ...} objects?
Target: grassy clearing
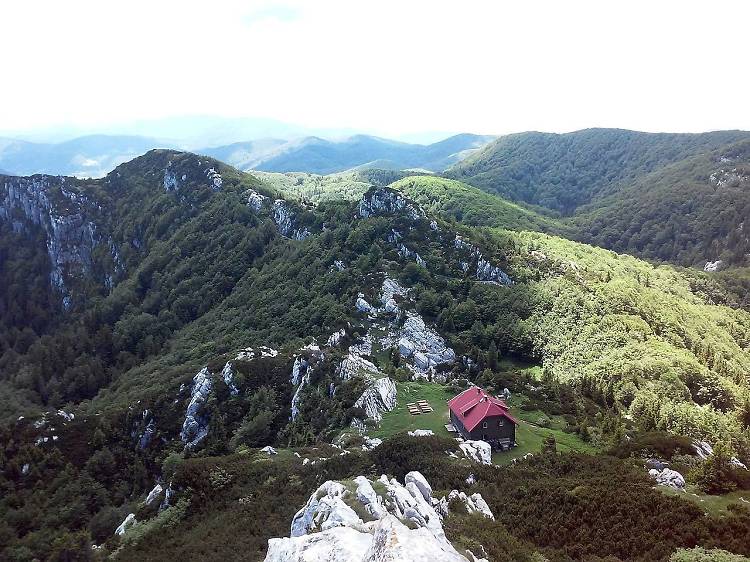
[
  {"x": 529, "y": 439},
  {"x": 713, "y": 505},
  {"x": 399, "y": 419}
]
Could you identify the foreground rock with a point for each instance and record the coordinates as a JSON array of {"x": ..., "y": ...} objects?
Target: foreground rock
[
  {"x": 405, "y": 526},
  {"x": 478, "y": 451},
  {"x": 668, "y": 477}
]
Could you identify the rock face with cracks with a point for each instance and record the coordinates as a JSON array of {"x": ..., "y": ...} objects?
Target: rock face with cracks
[
  {"x": 378, "y": 398},
  {"x": 195, "y": 426},
  {"x": 402, "y": 525}
]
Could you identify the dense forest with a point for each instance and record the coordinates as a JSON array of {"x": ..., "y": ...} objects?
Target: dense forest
[{"x": 563, "y": 172}]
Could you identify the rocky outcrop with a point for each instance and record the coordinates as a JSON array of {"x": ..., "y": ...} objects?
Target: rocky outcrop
[
  {"x": 335, "y": 338},
  {"x": 668, "y": 477},
  {"x": 408, "y": 254},
  {"x": 423, "y": 346},
  {"x": 473, "y": 504},
  {"x": 378, "y": 398},
  {"x": 255, "y": 200},
  {"x": 735, "y": 177},
  {"x": 405, "y": 526},
  {"x": 488, "y": 273},
  {"x": 705, "y": 450},
  {"x": 249, "y": 353},
  {"x": 385, "y": 201},
  {"x": 227, "y": 373},
  {"x": 478, "y": 451},
  {"x": 126, "y": 524},
  {"x": 471, "y": 256},
  {"x": 713, "y": 266},
  {"x": 195, "y": 426},
  {"x": 285, "y": 218},
  {"x": 362, "y": 305},
  {"x": 67, "y": 219},
  {"x": 388, "y": 293},
  {"x": 354, "y": 364},
  {"x": 155, "y": 494},
  {"x": 299, "y": 378}
]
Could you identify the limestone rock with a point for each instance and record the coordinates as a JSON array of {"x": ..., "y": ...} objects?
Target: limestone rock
[
  {"x": 363, "y": 306},
  {"x": 473, "y": 504},
  {"x": 269, "y": 450},
  {"x": 713, "y": 266},
  {"x": 489, "y": 273},
  {"x": 328, "y": 527},
  {"x": 353, "y": 364},
  {"x": 703, "y": 449},
  {"x": 126, "y": 524},
  {"x": 421, "y": 433},
  {"x": 336, "y": 337},
  {"x": 325, "y": 509},
  {"x": 227, "y": 373},
  {"x": 370, "y": 443},
  {"x": 255, "y": 200},
  {"x": 154, "y": 494},
  {"x": 300, "y": 376},
  {"x": 424, "y": 345},
  {"x": 479, "y": 451},
  {"x": 378, "y": 398},
  {"x": 195, "y": 426},
  {"x": 421, "y": 483},
  {"x": 68, "y": 220},
  {"x": 668, "y": 477},
  {"x": 385, "y": 201}
]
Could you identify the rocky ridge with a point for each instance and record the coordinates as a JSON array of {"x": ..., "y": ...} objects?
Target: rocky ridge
[{"x": 401, "y": 522}]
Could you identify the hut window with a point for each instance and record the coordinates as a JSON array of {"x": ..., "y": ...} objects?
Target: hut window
[{"x": 484, "y": 425}]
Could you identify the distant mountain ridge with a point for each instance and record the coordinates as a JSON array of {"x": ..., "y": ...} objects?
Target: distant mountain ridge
[
  {"x": 89, "y": 156},
  {"x": 96, "y": 155},
  {"x": 320, "y": 156}
]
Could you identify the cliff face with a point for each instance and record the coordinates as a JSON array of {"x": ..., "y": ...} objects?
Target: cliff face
[{"x": 66, "y": 216}]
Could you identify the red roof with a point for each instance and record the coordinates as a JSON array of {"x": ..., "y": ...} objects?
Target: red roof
[{"x": 474, "y": 405}]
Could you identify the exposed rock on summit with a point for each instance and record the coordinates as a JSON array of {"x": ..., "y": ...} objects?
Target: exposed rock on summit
[
  {"x": 385, "y": 201},
  {"x": 329, "y": 528}
]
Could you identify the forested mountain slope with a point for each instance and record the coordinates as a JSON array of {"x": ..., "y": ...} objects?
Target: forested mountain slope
[
  {"x": 564, "y": 171},
  {"x": 188, "y": 315},
  {"x": 691, "y": 212}
]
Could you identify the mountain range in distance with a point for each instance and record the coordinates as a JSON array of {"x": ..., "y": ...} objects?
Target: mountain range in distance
[{"x": 96, "y": 155}]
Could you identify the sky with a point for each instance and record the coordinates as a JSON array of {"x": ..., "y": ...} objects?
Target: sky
[{"x": 394, "y": 68}]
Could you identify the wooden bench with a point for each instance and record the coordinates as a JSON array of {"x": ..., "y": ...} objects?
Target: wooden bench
[
  {"x": 424, "y": 405},
  {"x": 413, "y": 409}
]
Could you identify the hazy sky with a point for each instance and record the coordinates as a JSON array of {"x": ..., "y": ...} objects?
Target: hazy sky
[{"x": 387, "y": 67}]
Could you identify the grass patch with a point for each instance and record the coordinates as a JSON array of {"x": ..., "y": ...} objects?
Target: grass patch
[
  {"x": 529, "y": 439},
  {"x": 713, "y": 505},
  {"x": 399, "y": 419}
]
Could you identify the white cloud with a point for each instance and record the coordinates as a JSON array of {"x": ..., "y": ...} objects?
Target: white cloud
[{"x": 389, "y": 67}]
